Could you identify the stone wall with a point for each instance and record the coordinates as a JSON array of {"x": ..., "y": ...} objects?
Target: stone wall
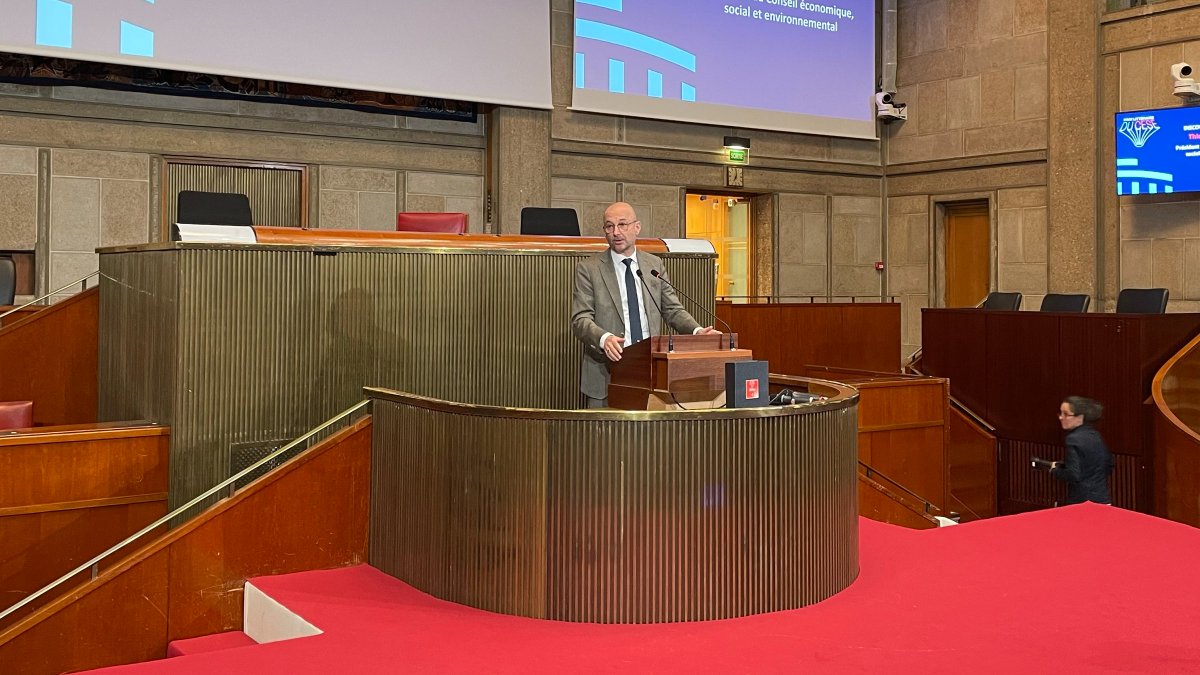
[
  {"x": 78, "y": 166},
  {"x": 973, "y": 73},
  {"x": 974, "y": 76},
  {"x": 1159, "y": 234}
]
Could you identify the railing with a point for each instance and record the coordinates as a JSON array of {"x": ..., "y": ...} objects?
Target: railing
[
  {"x": 78, "y": 282},
  {"x": 874, "y": 474},
  {"x": 227, "y": 484},
  {"x": 1176, "y": 423},
  {"x": 812, "y": 299}
]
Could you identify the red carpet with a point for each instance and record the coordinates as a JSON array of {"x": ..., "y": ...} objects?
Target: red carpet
[{"x": 1080, "y": 589}]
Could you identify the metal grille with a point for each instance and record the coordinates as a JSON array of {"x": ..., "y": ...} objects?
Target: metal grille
[
  {"x": 244, "y": 455},
  {"x": 1031, "y": 488},
  {"x": 616, "y": 520},
  {"x": 245, "y": 345},
  {"x": 276, "y": 193}
]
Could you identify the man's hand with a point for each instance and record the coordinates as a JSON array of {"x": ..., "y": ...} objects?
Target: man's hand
[
  {"x": 708, "y": 330},
  {"x": 612, "y": 347}
]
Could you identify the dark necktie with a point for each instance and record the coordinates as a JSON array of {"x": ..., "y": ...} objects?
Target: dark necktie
[{"x": 635, "y": 310}]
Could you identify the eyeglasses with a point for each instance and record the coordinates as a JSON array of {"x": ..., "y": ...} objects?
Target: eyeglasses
[
  {"x": 1062, "y": 414},
  {"x": 611, "y": 227}
]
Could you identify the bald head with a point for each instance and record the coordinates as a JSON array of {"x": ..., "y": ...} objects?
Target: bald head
[{"x": 621, "y": 228}]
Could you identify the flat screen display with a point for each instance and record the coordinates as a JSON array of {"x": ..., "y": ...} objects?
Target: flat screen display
[
  {"x": 1158, "y": 151},
  {"x": 482, "y": 51},
  {"x": 787, "y": 65}
]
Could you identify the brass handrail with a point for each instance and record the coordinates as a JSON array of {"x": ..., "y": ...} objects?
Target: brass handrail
[
  {"x": 871, "y": 472},
  {"x": 1156, "y": 389},
  {"x": 38, "y": 299},
  {"x": 94, "y": 563},
  {"x": 812, "y": 299}
]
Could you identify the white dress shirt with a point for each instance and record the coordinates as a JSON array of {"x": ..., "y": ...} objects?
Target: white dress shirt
[{"x": 618, "y": 262}]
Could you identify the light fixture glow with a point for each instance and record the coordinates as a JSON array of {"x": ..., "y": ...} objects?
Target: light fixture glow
[{"x": 737, "y": 142}]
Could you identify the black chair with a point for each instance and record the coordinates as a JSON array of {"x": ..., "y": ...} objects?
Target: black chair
[
  {"x": 214, "y": 208},
  {"x": 1002, "y": 301},
  {"x": 8, "y": 281},
  {"x": 553, "y": 222},
  {"x": 1142, "y": 301},
  {"x": 1065, "y": 302}
]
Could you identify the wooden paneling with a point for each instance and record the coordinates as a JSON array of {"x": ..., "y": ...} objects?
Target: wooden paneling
[
  {"x": 67, "y": 495},
  {"x": 901, "y": 427},
  {"x": 316, "y": 507},
  {"x": 309, "y": 514},
  {"x": 1175, "y": 415},
  {"x": 971, "y": 465},
  {"x": 877, "y": 502},
  {"x": 1014, "y": 368},
  {"x": 968, "y": 254},
  {"x": 50, "y": 359},
  {"x": 66, "y": 466},
  {"x": 120, "y": 618},
  {"x": 19, "y": 314},
  {"x": 791, "y": 336},
  {"x": 914, "y": 458},
  {"x": 38, "y": 548}
]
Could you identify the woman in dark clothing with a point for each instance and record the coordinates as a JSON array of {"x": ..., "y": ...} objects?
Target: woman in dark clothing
[{"x": 1088, "y": 463}]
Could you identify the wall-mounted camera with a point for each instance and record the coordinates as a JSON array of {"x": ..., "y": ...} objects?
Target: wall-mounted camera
[
  {"x": 887, "y": 109},
  {"x": 1185, "y": 84}
]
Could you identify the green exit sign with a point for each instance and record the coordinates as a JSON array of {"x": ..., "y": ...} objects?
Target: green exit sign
[{"x": 738, "y": 155}]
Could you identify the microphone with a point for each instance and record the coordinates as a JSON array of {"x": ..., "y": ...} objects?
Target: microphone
[
  {"x": 670, "y": 336},
  {"x": 732, "y": 340}
]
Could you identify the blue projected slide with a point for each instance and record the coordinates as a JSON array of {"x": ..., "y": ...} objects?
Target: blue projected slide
[{"x": 1158, "y": 151}]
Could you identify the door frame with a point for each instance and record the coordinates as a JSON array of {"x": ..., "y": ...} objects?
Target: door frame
[{"x": 937, "y": 240}]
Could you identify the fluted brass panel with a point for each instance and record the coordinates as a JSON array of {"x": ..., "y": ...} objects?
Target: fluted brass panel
[
  {"x": 276, "y": 194},
  {"x": 248, "y": 344},
  {"x": 616, "y": 517}
]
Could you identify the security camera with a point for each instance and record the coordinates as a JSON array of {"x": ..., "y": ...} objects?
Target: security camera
[
  {"x": 1185, "y": 85},
  {"x": 887, "y": 109}
]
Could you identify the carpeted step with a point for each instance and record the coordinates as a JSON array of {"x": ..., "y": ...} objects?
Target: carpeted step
[{"x": 209, "y": 643}]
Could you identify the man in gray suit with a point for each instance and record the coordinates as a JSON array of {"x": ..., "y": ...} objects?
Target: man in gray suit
[{"x": 612, "y": 306}]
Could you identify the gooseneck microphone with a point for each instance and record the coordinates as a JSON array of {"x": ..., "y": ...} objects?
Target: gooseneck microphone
[
  {"x": 670, "y": 335},
  {"x": 732, "y": 339}
]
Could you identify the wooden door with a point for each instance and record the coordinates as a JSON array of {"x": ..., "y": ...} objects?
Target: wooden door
[{"x": 968, "y": 254}]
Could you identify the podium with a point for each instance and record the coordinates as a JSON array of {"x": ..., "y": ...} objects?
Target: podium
[{"x": 650, "y": 376}]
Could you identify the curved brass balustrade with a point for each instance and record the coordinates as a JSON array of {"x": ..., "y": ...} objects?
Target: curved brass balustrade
[
  {"x": 614, "y": 516},
  {"x": 1176, "y": 420}
]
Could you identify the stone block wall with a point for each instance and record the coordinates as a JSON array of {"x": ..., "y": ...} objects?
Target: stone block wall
[
  {"x": 909, "y": 226},
  {"x": 86, "y": 176},
  {"x": 1021, "y": 249},
  {"x": 359, "y": 198},
  {"x": 973, "y": 73},
  {"x": 803, "y": 245},
  {"x": 856, "y": 244},
  {"x": 1159, "y": 234},
  {"x": 19, "y": 205}
]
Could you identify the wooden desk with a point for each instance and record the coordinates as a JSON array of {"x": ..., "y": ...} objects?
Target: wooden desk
[
  {"x": 1014, "y": 368},
  {"x": 792, "y": 336}
]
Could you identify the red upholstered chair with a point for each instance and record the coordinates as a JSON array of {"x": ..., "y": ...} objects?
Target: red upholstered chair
[
  {"x": 16, "y": 414},
  {"x": 454, "y": 223}
]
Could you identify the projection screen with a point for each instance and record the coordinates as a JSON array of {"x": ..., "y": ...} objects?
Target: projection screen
[
  {"x": 468, "y": 50},
  {"x": 787, "y": 65}
]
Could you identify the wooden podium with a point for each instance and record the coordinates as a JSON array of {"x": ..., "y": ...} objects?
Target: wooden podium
[{"x": 650, "y": 376}]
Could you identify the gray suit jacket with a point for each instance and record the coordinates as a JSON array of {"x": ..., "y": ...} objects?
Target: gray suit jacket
[{"x": 596, "y": 310}]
